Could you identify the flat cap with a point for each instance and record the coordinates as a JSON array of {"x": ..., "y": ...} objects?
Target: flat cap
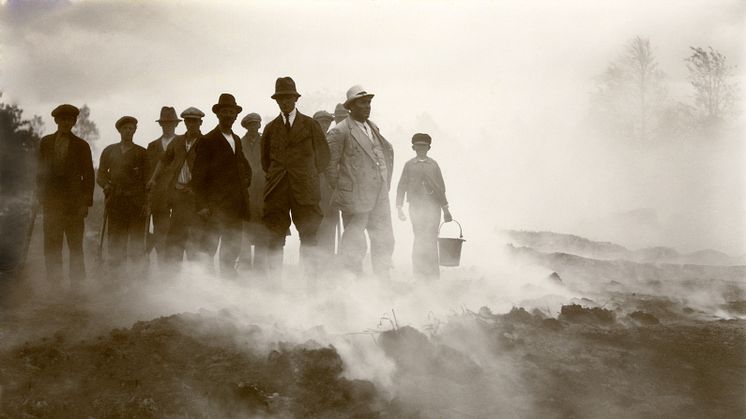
[
  {"x": 65, "y": 110},
  {"x": 125, "y": 119},
  {"x": 420, "y": 138},
  {"x": 252, "y": 117},
  {"x": 323, "y": 115},
  {"x": 192, "y": 112}
]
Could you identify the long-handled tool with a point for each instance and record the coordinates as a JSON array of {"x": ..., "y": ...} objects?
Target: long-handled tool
[
  {"x": 29, "y": 230},
  {"x": 100, "y": 251}
]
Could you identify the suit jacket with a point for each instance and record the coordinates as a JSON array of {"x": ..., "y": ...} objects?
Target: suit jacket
[
  {"x": 159, "y": 194},
  {"x": 421, "y": 181},
  {"x": 72, "y": 188},
  {"x": 300, "y": 154},
  {"x": 352, "y": 171},
  {"x": 172, "y": 161},
  {"x": 221, "y": 178}
]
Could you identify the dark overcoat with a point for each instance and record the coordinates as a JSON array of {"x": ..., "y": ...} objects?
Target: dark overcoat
[
  {"x": 221, "y": 177},
  {"x": 71, "y": 188},
  {"x": 300, "y": 154}
]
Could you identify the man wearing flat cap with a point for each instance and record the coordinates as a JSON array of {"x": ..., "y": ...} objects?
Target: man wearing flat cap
[
  {"x": 122, "y": 175},
  {"x": 158, "y": 194},
  {"x": 254, "y": 231},
  {"x": 65, "y": 182},
  {"x": 294, "y": 152},
  {"x": 174, "y": 175},
  {"x": 221, "y": 180},
  {"x": 340, "y": 113},
  {"x": 422, "y": 183},
  {"x": 360, "y": 174}
]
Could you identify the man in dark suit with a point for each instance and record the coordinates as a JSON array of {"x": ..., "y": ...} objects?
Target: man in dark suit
[
  {"x": 174, "y": 175},
  {"x": 360, "y": 174},
  {"x": 221, "y": 180},
  {"x": 158, "y": 195},
  {"x": 65, "y": 182},
  {"x": 294, "y": 152},
  {"x": 254, "y": 230}
]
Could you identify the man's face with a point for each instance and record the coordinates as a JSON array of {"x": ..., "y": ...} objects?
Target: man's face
[
  {"x": 421, "y": 149},
  {"x": 169, "y": 127},
  {"x": 286, "y": 102},
  {"x": 360, "y": 108},
  {"x": 127, "y": 131},
  {"x": 65, "y": 123},
  {"x": 325, "y": 123},
  {"x": 227, "y": 116},
  {"x": 253, "y": 126},
  {"x": 192, "y": 125}
]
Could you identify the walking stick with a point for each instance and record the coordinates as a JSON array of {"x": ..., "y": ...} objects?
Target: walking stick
[
  {"x": 100, "y": 252},
  {"x": 29, "y": 229}
]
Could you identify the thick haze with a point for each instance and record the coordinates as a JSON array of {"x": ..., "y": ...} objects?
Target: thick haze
[{"x": 501, "y": 86}]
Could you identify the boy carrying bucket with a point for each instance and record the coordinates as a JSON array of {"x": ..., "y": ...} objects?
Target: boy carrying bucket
[{"x": 422, "y": 182}]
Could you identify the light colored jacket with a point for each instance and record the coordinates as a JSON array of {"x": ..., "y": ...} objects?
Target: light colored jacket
[{"x": 353, "y": 172}]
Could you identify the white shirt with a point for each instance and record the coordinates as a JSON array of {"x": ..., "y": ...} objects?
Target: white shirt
[
  {"x": 365, "y": 127},
  {"x": 231, "y": 141},
  {"x": 291, "y": 116},
  {"x": 165, "y": 142}
]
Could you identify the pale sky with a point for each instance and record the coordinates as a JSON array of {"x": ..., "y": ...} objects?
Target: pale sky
[{"x": 501, "y": 86}]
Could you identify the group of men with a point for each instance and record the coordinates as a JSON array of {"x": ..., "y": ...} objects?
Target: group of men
[{"x": 206, "y": 193}]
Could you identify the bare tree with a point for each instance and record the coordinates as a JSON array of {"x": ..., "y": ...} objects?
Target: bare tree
[
  {"x": 714, "y": 95},
  {"x": 631, "y": 92},
  {"x": 85, "y": 128}
]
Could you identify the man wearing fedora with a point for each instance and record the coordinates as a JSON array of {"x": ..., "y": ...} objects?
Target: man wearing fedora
[
  {"x": 360, "y": 174},
  {"x": 254, "y": 254},
  {"x": 174, "y": 175},
  {"x": 65, "y": 181},
  {"x": 158, "y": 194},
  {"x": 221, "y": 180},
  {"x": 122, "y": 174},
  {"x": 294, "y": 152}
]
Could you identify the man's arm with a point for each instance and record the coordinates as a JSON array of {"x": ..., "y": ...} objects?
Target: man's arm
[
  {"x": 320, "y": 148},
  {"x": 103, "y": 179},
  {"x": 200, "y": 173},
  {"x": 401, "y": 189},
  {"x": 335, "y": 139},
  {"x": 264, "y": 143}
]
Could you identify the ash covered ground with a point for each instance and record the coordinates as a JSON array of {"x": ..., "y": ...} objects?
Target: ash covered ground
[{"x": 543, "y": 330}]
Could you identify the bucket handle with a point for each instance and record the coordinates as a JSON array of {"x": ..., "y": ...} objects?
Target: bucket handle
[{"x": 460, "y": 230}]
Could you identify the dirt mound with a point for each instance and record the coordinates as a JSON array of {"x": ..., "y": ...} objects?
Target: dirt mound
[
  {"x": 575, "y": 313},
  {"x": 182, "y": 365}
]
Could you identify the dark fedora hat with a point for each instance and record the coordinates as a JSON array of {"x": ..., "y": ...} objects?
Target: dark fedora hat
[
  {"x": 168, "y": 114},
  {"x": 65, "y": 110},
  {"x": 226, "y": 100},
  {"x": 285, "y": 86}
]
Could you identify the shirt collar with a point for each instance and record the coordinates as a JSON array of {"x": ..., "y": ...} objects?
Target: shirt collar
[{"x": 291, "y": 115}]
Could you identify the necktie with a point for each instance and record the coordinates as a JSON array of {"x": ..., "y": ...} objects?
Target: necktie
[{"x": 287, "y": 121}]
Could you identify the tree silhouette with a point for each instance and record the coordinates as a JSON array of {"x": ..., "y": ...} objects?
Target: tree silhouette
[{"x": 714, "y": 94}]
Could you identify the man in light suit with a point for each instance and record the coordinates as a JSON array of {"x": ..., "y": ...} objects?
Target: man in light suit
[
  {"x": 221, "y": 180},
  {"x": 360, "y": 171}
]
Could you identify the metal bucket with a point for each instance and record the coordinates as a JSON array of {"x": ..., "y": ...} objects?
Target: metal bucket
[{"x": 449, "y": 249}]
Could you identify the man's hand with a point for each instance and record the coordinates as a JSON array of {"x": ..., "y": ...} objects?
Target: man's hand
[
  {"x": 447, "y": 217},
  {"x": 400, "y": 213},
  {"x": 204, "y": 213},
  {"x": 83, "y": 212}
]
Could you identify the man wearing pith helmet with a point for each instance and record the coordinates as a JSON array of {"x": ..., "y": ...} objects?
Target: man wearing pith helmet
[
  {"x": 65, "y": 182},
  {"x": 173, "y": 174},
  {"x": 221, "y": 180},
  {"x": 360, "y": 174},
  {"x": 294, "y": 152}
]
